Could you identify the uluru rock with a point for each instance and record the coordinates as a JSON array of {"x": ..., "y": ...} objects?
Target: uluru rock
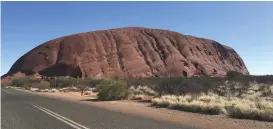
[{"x": 128, "y": 52}]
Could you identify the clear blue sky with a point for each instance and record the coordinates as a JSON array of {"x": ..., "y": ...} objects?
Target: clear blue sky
[{"x": 245, "y": 26}]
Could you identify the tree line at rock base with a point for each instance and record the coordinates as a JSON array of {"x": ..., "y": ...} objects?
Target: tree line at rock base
[{"x": 162, "y": 85}]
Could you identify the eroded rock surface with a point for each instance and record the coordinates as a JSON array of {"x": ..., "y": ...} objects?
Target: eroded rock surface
[{"x": 128, "y": 52}]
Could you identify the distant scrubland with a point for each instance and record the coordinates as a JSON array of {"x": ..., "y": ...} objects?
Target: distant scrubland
[{"x": 236, "y": 95}]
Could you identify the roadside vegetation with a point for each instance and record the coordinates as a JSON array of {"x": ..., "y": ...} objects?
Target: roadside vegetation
[
  {"x": 28, "y": 82},
  {"x": 254, "y": 103},
  {"x": 236, "y": 95},
  {"x": 5, "y": 83},
  {"x": 112, "y": 90}
]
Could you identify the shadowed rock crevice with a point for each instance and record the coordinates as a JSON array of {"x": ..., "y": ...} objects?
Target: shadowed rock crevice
[
  {"x": 61, "y": 70},
  {"x": 129, "y": 52}
]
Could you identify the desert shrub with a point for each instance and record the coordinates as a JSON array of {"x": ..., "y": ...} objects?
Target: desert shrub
[
  {"x": 143, "y": 90},
  {"x": 232, "y": 75},
  {"x": 231, "y": 88},
  {"x": 5, "y": 83},
  {"x": 266, "y": 90},
  {"x": 27, "y": 82},
  {"x": 266, "y": 110},
  {"x": 181, "y": 85},
  {"x": 252, "y": 104},
  {"x": 82, "y": 87},
  {"x": 20, "y": 82},
  {"x": 40, "y": 85},
  {"x": 89, "y": 82},
  {"x": 150, "y": 81},
  {"x": 266, "y": 79},
  {"x": 236, "y": 95},
  {"x": 243, "y": 112},
  {"x": 177, "y": 85},
  {"x": 238, "y": 77},
  {"x": 170, "y": 85},
  {"x": 258, "y": 110},
  {"x": 202, "y": 103},
  {"x": 137, "y": 97},
  {"x": 26, "y": 86},
  {"x": 62, "y": 82},
  {"x": 65, "y": 82},
  {"x": 234, "y": 83},
  {"x": 112, "y": 90}
]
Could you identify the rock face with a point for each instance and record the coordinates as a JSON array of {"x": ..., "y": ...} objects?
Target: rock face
[{"x": 128, "y": 52}]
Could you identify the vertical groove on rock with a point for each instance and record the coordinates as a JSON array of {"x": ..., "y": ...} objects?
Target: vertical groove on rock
[
  {"x": 119, "y": 55},
  {"x": 158, "y": 48},
  {"x": 109, "y": 52},
  {"x": 177, "y": 46},
  {"x": 144, "y": 53},
  {"x": 59, "y": 51},
  {"x": 99, "y": 52}
]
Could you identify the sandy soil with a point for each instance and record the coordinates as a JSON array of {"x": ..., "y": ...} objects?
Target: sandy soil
[{"x": 143, "y": 109}]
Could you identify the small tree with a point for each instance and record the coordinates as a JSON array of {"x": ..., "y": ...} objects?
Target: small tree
[
  {"x": 82, "y": 88},
  {"x": 81, "y": 85}
]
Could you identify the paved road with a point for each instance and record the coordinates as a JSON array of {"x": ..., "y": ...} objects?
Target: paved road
[{"x": 21, "y": 110}]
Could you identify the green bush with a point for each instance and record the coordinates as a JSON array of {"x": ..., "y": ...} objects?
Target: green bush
[{"x": 112, "y": 90}]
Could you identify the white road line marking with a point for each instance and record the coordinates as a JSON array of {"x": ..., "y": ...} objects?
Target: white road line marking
[
  {"x": 6, "y": 92},
  {"x": 74, "y": 126},
  {"x": 59, "y": 117},
  {"x": 64, "y": 118}
]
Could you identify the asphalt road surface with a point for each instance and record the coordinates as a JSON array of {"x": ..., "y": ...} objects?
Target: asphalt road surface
[{"x": 21, "y": 110}]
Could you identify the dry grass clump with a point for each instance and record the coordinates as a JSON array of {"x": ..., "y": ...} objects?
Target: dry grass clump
[
  {"x": 144, "y": 90},
  {"x": 208, "y": 104},
  {"x": 139, "y": 92},
  {"x": 137, "y": 97},
  {"x": 255, "y": 102},
  {"x": 259, "y": 110}
]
